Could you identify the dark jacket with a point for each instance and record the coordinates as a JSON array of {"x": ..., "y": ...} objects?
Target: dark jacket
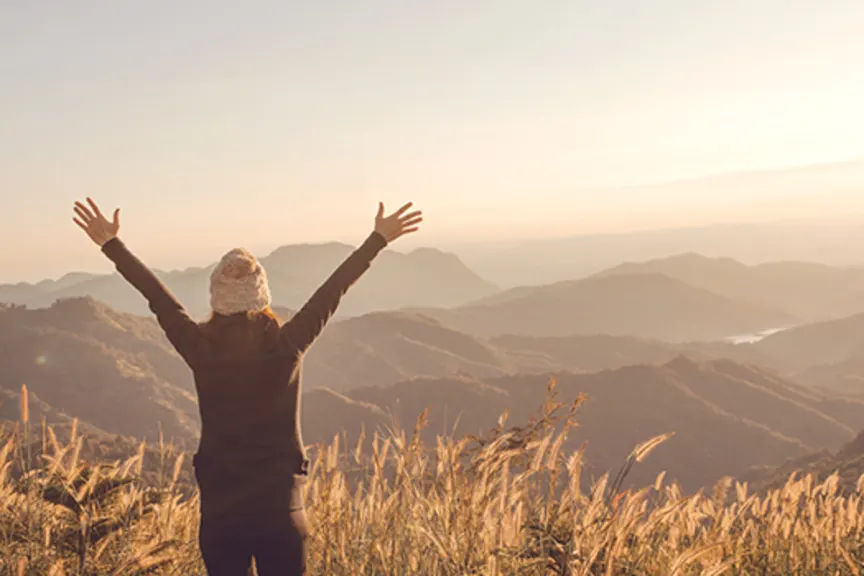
[{"x": 251, "y": 456}]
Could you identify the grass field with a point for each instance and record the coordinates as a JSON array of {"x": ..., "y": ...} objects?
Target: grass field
[{"x": 464, "y": 506}]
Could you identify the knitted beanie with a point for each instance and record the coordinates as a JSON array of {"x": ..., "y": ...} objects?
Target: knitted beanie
[{"x": 239, "y": 284}]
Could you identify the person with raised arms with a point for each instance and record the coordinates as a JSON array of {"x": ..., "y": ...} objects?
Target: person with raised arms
[{"x": 251, "y": 464}]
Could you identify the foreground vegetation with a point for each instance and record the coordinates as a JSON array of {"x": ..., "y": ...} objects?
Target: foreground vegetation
[{"x": 509, "y": 503}]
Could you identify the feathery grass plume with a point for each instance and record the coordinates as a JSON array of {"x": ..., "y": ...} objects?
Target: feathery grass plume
[
  {"x": 43, "y": 434},
  {"x": 25, "y": 405}
]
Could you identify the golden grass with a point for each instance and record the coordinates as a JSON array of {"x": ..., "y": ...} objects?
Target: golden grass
[{"x": 469, "y": 506}]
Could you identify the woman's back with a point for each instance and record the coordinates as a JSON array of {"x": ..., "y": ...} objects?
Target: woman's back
[{"x": 248, "y": 384}]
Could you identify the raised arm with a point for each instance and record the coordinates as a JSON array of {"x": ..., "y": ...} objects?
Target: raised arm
[
  {"x": 301, "y": 331},
  {"x": 182, "y": 331}
]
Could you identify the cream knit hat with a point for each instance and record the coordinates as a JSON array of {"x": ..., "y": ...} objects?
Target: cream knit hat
[{"x": 239, "y": 284}]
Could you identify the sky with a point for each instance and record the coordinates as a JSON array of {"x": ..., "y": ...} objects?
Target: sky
[{"x": 215, "y": 124}]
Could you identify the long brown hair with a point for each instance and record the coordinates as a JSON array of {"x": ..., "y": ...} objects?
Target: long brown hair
[{"x": 242, "y": 334}]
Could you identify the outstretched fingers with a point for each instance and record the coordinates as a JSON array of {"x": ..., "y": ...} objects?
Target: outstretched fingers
[
  {"x": 411, "y": 219},
  {"x": 411, "y": 215},
  {"x": 402, "y": 210},
  {"x": 412, "y": 222},
  {"x": 84, "y": 213},
  {"x": 95, "y": 208}
]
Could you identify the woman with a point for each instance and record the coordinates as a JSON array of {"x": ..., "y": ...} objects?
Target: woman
[{"x": 251, "y": 463}]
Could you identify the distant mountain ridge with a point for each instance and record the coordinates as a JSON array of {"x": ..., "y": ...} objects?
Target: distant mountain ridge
[
  {"x": 20, "y": 292},
  {"x": 650, "y": 305},
  {"x": 423, "y": 277},
  {"x": 544, "y": 261},
  {"x": 805, "y": 290}
]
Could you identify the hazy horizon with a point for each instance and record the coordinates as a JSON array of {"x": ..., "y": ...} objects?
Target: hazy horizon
[
  {"x": 501, "y": 247},
  {"x": 274, "y": 123}
]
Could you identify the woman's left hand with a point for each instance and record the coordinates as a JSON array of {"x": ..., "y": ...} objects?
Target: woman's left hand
[{"x": 97, "y": 227}]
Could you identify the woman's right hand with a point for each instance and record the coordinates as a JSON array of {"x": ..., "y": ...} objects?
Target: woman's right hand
[{"x": 397, "y": 224}]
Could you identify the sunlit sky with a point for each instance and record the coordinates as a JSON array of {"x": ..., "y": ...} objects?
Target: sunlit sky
[{"x": 216, "y": 123}]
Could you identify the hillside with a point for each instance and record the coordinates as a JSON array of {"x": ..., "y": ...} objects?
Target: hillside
[
  {"x": 648, "y": 306},
  {"x": 594, "y": 353},
  {"x": 10, "y": 413},
  {"x": 845, "y": 378},
  {"x": 847, "y": 462},
  {"x": 387, "y": 347},
  {"x": 727, "y": 418},
  {"x": 424, "y": 277},
  {"x": 808, "y": 291},
  {"x": 588, "y": 353},
  {"x": 818, "y": 343},
  {"x": 85, "y": 360}
]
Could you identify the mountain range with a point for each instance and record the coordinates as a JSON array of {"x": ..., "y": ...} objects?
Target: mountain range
[
  {"x": 116, "y": 372},
  {"x": 809, "y": 292},
  {"x": 686, "y": 297},
  {"x": 649, "y": 344},
  {"x": 424, "y": 277},
  {"x": 644, "y": 305},
  {"x": 834, "y": 241}
]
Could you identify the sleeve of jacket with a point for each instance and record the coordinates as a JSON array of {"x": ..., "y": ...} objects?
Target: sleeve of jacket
[
  {"x": 181, "y": 330},
  {"x": 304, "y": 327}
]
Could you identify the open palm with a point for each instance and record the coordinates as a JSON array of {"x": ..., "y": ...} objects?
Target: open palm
[
  {"x": 397, "y": 224},
  {"x": 97, "y": 227}
]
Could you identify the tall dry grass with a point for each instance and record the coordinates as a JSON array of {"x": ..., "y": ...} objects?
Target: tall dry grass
[{"x": 509, "y": 503}]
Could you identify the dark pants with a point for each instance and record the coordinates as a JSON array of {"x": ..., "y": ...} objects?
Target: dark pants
[{"x": 278, "y": 543}]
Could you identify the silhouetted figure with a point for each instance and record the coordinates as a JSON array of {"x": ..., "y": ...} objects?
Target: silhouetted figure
[{"x": 251, "y": 463}]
